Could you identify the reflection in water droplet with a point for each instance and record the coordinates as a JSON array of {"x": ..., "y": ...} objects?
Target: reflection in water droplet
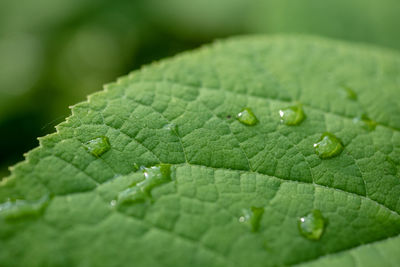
[
  {"x": 98, "y": 146},
  {"x": 141, "y": 192},
  {"x": 365, "y": 122},
  {"x": 312, "y": 225},
  {"x": 22, "y": 208},
  {"x": 247, "y": 117},
  {"x": 252, "y": 217},
  {"x": 328, "y": 146},
  {"x": 293, "y": 115}
]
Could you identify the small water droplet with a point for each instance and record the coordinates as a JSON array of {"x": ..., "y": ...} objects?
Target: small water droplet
[
  {"x": 252, "y": 217},
  {"x": 113, "y": 203},
  {"x": 153, "y": 176},
  {"x": 22, "y": 208},
  {"x": 247, "y": 117},
  {"x": 98, "y": 146},
  {"x": 312, "y": 225},
  {"x": 171, "y": 127},
  {"x": 293, "y": 115},
  {"x": 349, "y": 93},
  {"x": 365, "y": 122},
  {"x": 328, "y": 146}
]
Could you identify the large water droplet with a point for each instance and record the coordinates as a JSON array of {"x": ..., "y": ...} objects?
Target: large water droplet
[
  {"x": 312, "y": 225},
  {"x": 98, "y": 146},
  {"x": 365, "y": 122},
  {"x": 252, "y": 217},
  {"x": 141, "y": 192},
  {"x": 293, "y": 115},
  {"x": 22, "y": 208},
  {"x": 247, "y": 117},
  {"x": 328, "y": 146}
]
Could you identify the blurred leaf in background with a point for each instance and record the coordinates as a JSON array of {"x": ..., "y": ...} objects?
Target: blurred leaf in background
[
  {"x": 54, "y": 53},
  {"x": 371, "y": 21}
]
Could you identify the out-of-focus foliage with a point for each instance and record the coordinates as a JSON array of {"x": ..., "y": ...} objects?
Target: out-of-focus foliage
[
  {"x": 371, "y": 21},
  {"x": 53, "y": 53}
]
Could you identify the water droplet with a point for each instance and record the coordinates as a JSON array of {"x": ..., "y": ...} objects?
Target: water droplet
[
  {"x": 247, "y": 117},
  {"x": 157, "y": 175},
  {"x": 22, "y": 208},
  {"x": 171, "y": 127},
  {"x": 252, "y": 217},
  {"x": 98, "y": 146},
  {"x": 293, "y": 115},
  {"x": 312, "y": 225},
  {"x": 365, "y": 122},
  {"x": 153, "y": 176},
  {"x": 328, "y": 146},
  {"x": 349, "y": 93},
  {"x": 132, "y": 195}
]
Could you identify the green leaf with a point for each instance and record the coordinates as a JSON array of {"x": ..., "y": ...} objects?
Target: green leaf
[{"x": 213, "y": 191}]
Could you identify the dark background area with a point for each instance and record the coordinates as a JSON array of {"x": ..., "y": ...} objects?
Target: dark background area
[{"x": 55, "y": 52}]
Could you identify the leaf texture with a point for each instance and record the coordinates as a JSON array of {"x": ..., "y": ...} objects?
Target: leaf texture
[{"x": 182, "y": 112}]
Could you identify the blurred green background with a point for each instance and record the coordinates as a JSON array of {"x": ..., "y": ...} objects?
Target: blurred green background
[{"x": 55, "y": 52}]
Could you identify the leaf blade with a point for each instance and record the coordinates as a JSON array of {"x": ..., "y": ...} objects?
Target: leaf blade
[{"x": 220, "y": 165}]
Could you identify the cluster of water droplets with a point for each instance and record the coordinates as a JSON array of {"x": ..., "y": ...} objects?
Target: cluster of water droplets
[{"x": 311, "y": 226}]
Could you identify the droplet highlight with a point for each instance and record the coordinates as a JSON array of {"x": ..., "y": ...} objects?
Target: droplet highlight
[
  {"x": 312, "y": 225},
  {"x": 141, "y": 192},
  {"x": 328, "y": 146},
  {"x": 98, "y": 146},
  {"x": 247, "y": 117},
  {"x": 22, "y": 208},
  {"x": 252, "y": 217},
  {"x": 365, "y": 122},
  {"x": 292, "y": 115}
]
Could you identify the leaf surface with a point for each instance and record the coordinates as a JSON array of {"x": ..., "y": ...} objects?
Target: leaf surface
[{"x": 61, "y": 206}]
